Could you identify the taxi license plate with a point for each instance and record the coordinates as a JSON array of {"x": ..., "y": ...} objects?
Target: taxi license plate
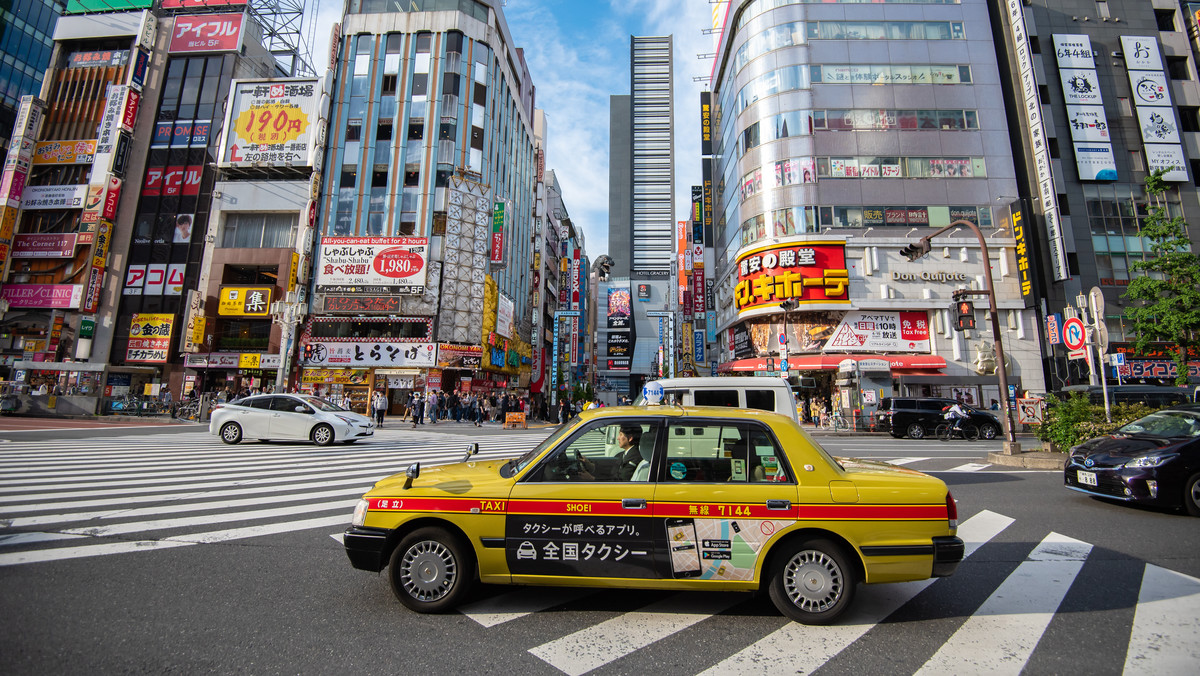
[{"x": 1086, "y": 478}]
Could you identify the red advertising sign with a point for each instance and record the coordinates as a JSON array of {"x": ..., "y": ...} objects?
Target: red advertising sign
[
  {"x": 111, "y": 197},
  {"x": 172, "y": 181},
  {"x": 191, "y": 180},
  {"x": 91, "y": 298},
  {"x": 813, "y": 273},
  {"x": 44, "y": 246},
  {"x": 129, "y": 114},
  {"x": 153, "y": 185},
  {"x": 207, "y": 33}
]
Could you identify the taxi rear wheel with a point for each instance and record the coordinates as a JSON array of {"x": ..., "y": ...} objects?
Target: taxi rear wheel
[
  {"x": 813, "y": 583},
  {"x": 431, "y": 571}
]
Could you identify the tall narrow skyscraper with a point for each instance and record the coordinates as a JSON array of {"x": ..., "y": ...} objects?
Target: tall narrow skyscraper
[{"x": 653, "y": 153}]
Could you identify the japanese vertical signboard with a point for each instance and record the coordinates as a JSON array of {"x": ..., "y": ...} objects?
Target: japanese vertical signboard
[
  {"x": 499, "y": 225},
  {"x": 1032, "y": 107},
  {"x": 1155, "y": 113},
  {"x": 149, "y": 338}
]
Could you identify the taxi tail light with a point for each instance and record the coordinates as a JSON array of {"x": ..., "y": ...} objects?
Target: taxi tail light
[{"x": 951, "y": 510}]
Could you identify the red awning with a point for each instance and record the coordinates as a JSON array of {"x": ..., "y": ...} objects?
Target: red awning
[{"x": 923, "y": 364}]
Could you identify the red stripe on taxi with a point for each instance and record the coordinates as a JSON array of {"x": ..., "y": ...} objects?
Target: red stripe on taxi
[{"x": 660, "y": 509}]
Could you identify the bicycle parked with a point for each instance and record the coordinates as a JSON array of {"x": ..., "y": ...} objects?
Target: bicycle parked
[{"x": 965, "y": 430}]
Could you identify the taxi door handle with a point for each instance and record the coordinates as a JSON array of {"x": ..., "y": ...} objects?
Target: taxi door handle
[
  {"x": 633, "y": 503},
  {"x": 779, "y": 504}
]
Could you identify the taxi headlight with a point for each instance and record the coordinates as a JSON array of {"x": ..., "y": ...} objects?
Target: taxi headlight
[{"x": 360, "y": 513}]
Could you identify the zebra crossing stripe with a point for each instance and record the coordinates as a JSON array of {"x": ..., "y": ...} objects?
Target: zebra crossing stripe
[
  {"x": 517, "y": 604},
  {"x": 905, "y": 461},
  {"x": 801, "y": 649},
  {"x": 1001, "y": 635},
  {"x": 1165, "y": 625},
  {"x": 595, "y": 646},
  {"x": 969, "y": 467},
  {"x": 106, "y": 548},
  {"x": 145, "y": 526}
]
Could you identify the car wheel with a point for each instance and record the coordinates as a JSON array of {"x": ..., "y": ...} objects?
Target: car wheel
[
  {"x": 813, "y": 583},
  {"x": 322, "y": 435},
  {"x": 987, "y": 431},
  {"x": 431, "y": 572},
  {"x": 231, "y": 433},
  {"x": 1191, "y": 495},
  {"x": 916, "y": 431}
]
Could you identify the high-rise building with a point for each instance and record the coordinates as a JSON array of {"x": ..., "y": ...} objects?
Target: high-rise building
[
  {"x": 631, "y": 348},
  {"x": 653, "y": 154},
  {"x": 1101, "y": 93},
  {"x": 26, "y": 41},
  {"x": 842, "y": 134},
  {"x": 424, "y": 269}
]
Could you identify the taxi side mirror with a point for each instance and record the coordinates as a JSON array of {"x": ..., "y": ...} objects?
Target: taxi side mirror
[
  {"x": 413, "y": 471},
  {"x": 472, "y": 449}
]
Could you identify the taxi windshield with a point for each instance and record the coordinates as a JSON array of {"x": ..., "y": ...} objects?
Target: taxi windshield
[{"x": 522, "y": 462}]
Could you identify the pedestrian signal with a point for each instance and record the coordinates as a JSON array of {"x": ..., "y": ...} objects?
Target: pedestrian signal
[{"x": 964, "y": 315}]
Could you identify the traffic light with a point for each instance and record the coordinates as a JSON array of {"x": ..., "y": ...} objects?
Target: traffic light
[
  {"x": 964, "y": 315},
  {"x": 916, "y": 250}
]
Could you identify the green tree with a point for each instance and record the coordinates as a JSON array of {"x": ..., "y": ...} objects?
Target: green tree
[{"x": 1166, "y": 284}]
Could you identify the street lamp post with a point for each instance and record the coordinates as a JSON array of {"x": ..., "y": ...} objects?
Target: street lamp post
[{"x": 923, "y": 247}]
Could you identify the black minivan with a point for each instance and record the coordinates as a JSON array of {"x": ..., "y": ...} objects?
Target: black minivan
[{"x": 919, "y": 417}]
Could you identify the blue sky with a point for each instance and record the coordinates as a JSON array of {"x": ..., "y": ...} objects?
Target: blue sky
[{"x": 578, "y": 56}]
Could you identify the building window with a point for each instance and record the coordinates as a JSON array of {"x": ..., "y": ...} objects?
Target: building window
[{"x": 260, "y": 230}]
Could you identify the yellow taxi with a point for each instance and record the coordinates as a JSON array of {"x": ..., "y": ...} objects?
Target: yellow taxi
[{"x": 660, "y": 497}]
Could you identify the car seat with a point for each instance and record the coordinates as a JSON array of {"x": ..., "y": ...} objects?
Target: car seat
[{"x": 646, "y": 449}]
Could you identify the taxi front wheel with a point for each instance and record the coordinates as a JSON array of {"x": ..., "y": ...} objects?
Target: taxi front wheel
[
  {"x": 431, "y": 571},
  {"x": 812, "y": 582}
]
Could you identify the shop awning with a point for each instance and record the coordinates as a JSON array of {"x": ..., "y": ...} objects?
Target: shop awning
[{"x": 901, "y": 363}]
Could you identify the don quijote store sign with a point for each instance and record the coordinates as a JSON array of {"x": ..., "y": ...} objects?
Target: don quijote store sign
[
  {"x": 373, "y": 265},
  {"x": 813, "y": 272}
]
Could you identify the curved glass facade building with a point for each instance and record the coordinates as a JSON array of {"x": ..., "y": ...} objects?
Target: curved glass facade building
[{"x": 844, "y": 130}]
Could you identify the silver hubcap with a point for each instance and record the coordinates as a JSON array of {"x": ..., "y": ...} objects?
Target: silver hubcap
[
  {"x": 916, "y": 431},
  {"x": 1196, "y": 494},
  {"x": 322, "y": 435},
  {"x": 231, "y": 432},
  {"x": 813, "y": 581},
  {"x": 428, "y": 571}
]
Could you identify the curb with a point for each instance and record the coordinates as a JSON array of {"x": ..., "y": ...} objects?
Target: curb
[{"x": 1030, "y": 460}]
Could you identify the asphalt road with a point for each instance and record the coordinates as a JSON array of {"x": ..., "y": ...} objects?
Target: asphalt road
[{"x": 163, "y": 587}]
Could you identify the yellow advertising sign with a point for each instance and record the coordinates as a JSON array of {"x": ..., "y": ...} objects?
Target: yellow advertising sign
[
  {"x": 8, "y": 220},
  {"x": 249, "y": 360},
  {"x": 271, "y": 123},
  {"x": 198, "y": 330},
  {"x": 295, "y": 268},
  {"x": 245, "y": 301},
  {"x": 64, "y": 152},
  {"x": 149, "y": 338}
]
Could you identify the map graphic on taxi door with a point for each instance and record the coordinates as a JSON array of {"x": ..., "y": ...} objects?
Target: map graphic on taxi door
[{"x": 718, "y": 549}]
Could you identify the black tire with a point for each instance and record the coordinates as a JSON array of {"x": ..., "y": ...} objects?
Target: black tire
[
  {"x": 431, "y": 571},
  {"x": 988, "y": 431},
  {"x": 322, "y": 435},
  {"x": 915, "y": 431},
  {"x": 1191, "y": 495},
  {"x": 813, "y": 582},
  {"x": 942, "y": 432},
  {"x": 231, "y": 433},
  {"x": 969, "y": 431}
]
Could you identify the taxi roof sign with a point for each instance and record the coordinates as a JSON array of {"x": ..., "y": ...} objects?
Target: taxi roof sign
[{"x": 652, "y": 393}]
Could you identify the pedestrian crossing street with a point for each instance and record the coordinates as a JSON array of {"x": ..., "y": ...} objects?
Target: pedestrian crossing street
[
  {"x": 66, "y": 500},
  {"x": 1018, "y": 604}
]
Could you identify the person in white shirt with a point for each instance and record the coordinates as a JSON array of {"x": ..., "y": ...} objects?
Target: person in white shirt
[{"x": 955, "y": 414}]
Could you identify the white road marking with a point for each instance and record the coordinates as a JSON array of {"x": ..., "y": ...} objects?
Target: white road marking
[
  {"x": 1166, "y": 624},
  {"x": 796, "y": 648},
  {"x": 969, "y": 467},
  {"x": 516, "y": 604},
  {"x": 578, "y": 653},
  {"x": 144, "y": 526},
  {"x": 905, "y": 461},
  {"x": 1001, "y": 635}
]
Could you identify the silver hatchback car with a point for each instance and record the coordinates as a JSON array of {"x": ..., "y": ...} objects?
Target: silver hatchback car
[{"x": 292, "y": 417}]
